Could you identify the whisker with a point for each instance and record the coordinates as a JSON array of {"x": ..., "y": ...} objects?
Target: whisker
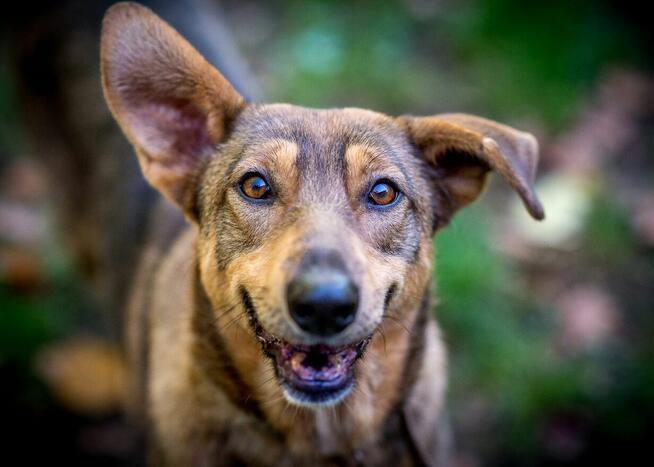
[
  {"x": 224, "y": 311},
  {"x": 268, "y": 380},
  {"x": 234, "y": 320},
  {"x": 284, "y": 409},
  {"x": 397, "y": 320},
  {"x": 348, "y": 406},
  {"x": 360, "y": 389},
  {"x": 273, "y": 400},
  {"x": 383, "y": 335}
]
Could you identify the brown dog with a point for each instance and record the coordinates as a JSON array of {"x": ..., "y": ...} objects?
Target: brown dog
[{"x": 289, "y": 323}]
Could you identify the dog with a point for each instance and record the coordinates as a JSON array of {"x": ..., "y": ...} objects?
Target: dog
[{"x": 288, "y": 322}]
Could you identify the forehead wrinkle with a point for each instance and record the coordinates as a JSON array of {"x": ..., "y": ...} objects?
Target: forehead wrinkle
[{"x": 320, "y": 166}]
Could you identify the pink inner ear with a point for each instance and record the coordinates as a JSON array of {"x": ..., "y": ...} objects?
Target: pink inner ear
[{"x": 171, "y": 129}]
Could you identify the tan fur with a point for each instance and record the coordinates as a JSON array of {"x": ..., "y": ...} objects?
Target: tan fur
[{"x": 200, "y": 376}]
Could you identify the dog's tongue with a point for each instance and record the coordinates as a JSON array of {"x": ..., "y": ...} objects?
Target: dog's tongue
[{"x": 317, "y": 363}]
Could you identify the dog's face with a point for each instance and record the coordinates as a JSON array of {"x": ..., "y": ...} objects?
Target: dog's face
[
  {"x": 319, "y": 218},
  {"x": 317, "y": 224}
]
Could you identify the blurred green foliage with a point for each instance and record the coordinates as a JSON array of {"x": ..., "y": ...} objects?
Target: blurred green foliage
[
  {"x": 512, "y": 58},
  {"x": 49, "y": 311},
  {"x": 540, "y": 56}
]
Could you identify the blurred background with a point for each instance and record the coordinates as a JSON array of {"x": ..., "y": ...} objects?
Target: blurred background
[{"x": 550, "y": 326}]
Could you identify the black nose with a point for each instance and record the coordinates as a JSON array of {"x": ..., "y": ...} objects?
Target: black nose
[{"x": 322, "y": 299}]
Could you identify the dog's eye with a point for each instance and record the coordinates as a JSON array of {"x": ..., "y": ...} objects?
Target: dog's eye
[
  {"x": 382, "y": 193},
  {"x": 254, "y": 186}
]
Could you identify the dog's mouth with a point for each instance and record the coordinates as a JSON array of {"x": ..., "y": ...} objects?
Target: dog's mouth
[
  {"x": 310, "y": 375},
  {"x": 316, "y": 374}
]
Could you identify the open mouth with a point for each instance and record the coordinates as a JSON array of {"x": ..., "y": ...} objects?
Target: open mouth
[
  {"x": 316, "y": 374},
  {"x": 309, "y": 374}
]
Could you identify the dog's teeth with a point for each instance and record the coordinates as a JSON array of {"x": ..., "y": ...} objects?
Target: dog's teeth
[
  {"x": 296, "y": 360},
  {"x": 336, "y": 360}
]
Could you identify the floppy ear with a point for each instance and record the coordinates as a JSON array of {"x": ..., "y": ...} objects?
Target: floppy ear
[
  {"x": 172, "y": 105},
  {"x": 462, "y": 149}
]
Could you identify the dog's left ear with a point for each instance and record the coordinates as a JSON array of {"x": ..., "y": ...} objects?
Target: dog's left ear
[{"x": 462, "y": 149}]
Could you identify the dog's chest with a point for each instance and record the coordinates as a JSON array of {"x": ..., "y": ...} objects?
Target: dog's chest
[{"x": 394, "y": 447}]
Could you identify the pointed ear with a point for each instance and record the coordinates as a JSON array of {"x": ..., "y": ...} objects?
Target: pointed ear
[
  {"x": 462, "y": 149},
  {"x": 172, "y": 105}
]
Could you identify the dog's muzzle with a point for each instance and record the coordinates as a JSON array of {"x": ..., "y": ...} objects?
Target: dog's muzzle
[{"x": 322, "y": 301}]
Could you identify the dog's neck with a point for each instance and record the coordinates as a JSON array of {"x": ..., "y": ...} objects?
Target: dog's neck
[{"x": 385, "y": 377}]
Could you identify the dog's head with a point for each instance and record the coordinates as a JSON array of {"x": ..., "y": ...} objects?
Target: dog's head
[{"x": 316, "y": 224}]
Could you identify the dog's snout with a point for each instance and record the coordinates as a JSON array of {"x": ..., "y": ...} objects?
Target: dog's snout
[
  {"x": 322, "y": 303},
  {"x": 322, "y": 298}
]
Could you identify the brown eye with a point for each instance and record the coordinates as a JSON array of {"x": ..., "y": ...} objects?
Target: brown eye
[
  {"x": 382, "y": 194},
  {"x": 254, "y": 186}
]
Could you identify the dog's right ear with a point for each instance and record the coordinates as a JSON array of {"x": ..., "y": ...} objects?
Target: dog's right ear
[
  {"x": 461, "y": 149},
  {"x": 171, "y": 103}
]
